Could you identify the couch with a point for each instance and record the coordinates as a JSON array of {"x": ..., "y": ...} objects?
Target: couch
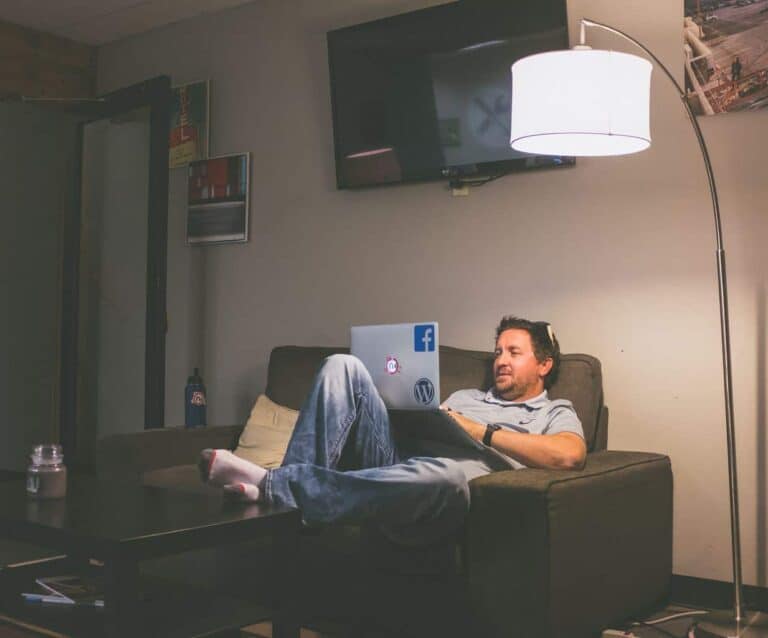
[{"x": 543, "y": 554}]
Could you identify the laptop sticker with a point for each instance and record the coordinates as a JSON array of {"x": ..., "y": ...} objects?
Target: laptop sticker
[
  {"x": 424, "y": 391},
  {"x": 424, "y": 337}
]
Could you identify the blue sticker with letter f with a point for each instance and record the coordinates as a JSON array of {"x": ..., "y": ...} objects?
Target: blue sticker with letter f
[{"x": 424, "y": 337}]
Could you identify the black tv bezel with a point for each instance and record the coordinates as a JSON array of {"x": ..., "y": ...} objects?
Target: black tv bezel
[{"x": 457, "y": 174}]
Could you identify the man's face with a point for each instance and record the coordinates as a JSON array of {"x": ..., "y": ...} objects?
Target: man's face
[{"x": 517, "y": 373}]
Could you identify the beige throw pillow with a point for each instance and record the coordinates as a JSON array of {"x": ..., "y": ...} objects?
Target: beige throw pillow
[{"x": 265, "y": 437}]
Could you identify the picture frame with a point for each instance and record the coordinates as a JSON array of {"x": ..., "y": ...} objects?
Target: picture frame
[
  {"x": 218, "y": 200},
  {"x": 189, "y": 138},
  {"x": 725, "y": 65}
]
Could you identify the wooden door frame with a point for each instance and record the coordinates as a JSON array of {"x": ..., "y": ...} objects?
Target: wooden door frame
[{"x": 156, "y": 95}]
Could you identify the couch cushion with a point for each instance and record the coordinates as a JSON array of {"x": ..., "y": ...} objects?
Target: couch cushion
[
  {"x": 265, "y": 436},
  {"x": 581, "y": 382},
  {"x": 292, "y": 369}
]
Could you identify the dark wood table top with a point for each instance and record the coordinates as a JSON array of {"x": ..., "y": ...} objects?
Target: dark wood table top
[
  {"x": 104, "y": 520},
  {"x": 122, "y": 524}
]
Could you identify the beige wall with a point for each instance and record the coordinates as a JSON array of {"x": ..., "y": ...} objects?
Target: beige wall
[{"x": 617, "y": 253}]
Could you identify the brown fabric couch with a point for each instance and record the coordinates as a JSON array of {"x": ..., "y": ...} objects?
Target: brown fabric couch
[{"x": 544, "y": 553}]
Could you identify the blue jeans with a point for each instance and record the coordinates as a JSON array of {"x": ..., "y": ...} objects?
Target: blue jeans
[{"x": 343, "y": 464}]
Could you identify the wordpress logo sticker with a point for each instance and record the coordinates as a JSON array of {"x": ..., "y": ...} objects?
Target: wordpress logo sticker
[
  {"x": 424, "y": 391},
  {"x": 424, "y": 337}
]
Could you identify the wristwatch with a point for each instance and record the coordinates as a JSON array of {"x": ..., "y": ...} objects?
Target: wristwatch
[{"x": 489, "y": 430}]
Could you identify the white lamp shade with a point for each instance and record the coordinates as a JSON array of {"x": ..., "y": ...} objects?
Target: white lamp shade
[{"x": 581, "y": 102}]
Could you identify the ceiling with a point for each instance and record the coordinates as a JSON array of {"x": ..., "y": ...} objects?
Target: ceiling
[{"x": 97, "y": 22}]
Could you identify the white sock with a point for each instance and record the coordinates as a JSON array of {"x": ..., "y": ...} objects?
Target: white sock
[
  {"x": 244, "y": 491},
  {"x": 221, "y": 467}
]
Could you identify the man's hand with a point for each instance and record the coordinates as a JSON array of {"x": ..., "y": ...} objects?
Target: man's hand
[
  {"x": 562, "y": 451},
  {"x": 473, "y": 428}
]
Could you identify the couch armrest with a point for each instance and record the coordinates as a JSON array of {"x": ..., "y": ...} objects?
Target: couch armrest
[
  {"x": 128, "y": 456},
  {"x": 568, "y": 553}
]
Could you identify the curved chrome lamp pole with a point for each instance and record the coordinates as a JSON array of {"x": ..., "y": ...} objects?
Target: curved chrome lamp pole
[
  {"x": 725, "y": 337},
  {"x": 731, "y": 624}
]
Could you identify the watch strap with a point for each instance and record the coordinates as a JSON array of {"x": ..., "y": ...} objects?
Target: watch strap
[{"x": 489, "y": 430}]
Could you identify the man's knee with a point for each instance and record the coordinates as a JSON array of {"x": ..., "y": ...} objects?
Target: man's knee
[
  {"x": 345, "y": 367},
  {"x": 342, "y": 363}
]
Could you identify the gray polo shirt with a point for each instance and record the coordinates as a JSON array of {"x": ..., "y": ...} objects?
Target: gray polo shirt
[{"x": 538, "y": 415}]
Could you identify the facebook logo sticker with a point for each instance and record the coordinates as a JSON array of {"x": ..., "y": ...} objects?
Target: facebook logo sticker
[{"x": 424, "y": 337}]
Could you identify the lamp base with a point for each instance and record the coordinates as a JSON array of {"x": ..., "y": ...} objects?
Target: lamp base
[{"x": 719, "y": 624}]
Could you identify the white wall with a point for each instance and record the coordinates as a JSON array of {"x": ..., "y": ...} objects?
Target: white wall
[{"x": 617, "y": 253}]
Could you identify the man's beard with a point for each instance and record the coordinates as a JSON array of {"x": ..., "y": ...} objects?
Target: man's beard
[{"x": 510, "y": 390}]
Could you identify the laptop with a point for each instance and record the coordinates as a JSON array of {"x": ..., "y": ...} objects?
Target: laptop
[{"x": 404, "y": 362}]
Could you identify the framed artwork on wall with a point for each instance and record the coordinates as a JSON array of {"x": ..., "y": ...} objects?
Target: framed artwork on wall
[
  {"x": 218, "y": 197},
  {"x": 190, "y": 117},
  {"x": 725, "y": 57}
]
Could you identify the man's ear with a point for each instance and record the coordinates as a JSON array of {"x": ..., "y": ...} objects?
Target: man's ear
[{"x": 545, "y": 366}]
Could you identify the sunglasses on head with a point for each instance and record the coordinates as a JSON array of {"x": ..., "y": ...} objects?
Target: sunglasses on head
[{"x": 548, "y": 328}]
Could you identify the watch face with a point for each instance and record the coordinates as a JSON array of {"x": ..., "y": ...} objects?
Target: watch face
[{"x": 489, "y": 113}]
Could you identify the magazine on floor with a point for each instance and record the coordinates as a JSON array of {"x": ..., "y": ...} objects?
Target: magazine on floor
[{"x": 68, "y": 589}]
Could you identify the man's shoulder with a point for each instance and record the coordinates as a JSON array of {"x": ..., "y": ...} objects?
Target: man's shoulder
[
  {"x": 467, "y": 394},
  {"x": 464, "y": 399},
  {"x": 561, "y": 415},
  {"x": 560, "y": 407},
  {"x": 560, "y": 403}
]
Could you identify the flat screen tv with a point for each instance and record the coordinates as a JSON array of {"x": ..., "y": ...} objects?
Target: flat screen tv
[{"x": 425, "y": 95}]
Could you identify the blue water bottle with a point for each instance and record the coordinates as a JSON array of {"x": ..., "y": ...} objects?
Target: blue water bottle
[{"x": 194, "y": 401}]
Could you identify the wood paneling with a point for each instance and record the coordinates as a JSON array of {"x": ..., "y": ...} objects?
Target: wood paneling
[{"x": 38, "y": 64}]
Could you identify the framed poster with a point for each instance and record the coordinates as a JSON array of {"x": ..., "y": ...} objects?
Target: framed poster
[
  {"x": 725, "y": 55},
  {"x": 218, "y": 196},
  {"x": 190, "y": 132}
]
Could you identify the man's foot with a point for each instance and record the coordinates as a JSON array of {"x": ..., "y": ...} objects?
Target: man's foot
[
  {"x": 243, "y": 491},
  {"x": 222, "y": 468}
]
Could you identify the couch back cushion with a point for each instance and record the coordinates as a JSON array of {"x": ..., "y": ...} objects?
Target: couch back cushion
[{"x": 292, "y": 369}]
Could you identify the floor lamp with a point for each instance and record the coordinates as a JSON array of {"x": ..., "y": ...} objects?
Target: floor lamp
[{"x": 586, "y": 102}]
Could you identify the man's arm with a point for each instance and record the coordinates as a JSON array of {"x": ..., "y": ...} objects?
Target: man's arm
[{"x": 562, "y": 451}]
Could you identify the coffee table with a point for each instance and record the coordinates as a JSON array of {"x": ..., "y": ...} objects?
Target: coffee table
[{"x": 116, "y": 526}]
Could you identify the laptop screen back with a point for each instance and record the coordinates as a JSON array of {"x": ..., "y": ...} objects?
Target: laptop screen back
[{"x": 403, "y": 361}]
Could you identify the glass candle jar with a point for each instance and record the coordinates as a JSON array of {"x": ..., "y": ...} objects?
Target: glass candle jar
[{"x": 46, "y": 474}]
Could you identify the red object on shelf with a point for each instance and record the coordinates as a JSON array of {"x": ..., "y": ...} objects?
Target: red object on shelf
[
  {"x": 181, "y": 134},
  {"x": 217, "y": 171}
]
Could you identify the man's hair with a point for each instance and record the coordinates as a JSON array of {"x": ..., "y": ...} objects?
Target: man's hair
[{"x": 545, "y": 345}]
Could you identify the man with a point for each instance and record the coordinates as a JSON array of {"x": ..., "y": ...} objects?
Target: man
[
  {"x": 736, "y": 70},
  {"x": 343, "y": 463}
]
